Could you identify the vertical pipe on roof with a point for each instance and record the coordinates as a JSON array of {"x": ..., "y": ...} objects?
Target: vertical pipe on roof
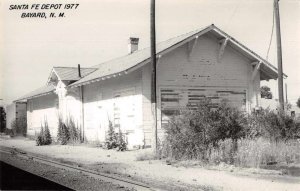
[{"x": 79, "y": 72}]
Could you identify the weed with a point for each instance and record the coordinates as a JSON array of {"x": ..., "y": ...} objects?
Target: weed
[{"x": 44, "y": 136}]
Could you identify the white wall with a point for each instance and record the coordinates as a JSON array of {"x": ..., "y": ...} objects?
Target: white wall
[
  {"x": 101, "y": 105},
  {"x": 69, "y": 103},
  {"x": 40, "y": 109},
  {"x": 147, "y": 110}
]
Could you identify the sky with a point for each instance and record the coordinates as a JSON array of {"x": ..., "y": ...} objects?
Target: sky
[{"x": 98, "y": 30}]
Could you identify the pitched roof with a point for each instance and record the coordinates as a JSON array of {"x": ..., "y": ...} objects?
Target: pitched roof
[
  {"x": 38, "y": 92},
  {"x": 71, "y": 73},
  {"x": 129, "y": 62}
]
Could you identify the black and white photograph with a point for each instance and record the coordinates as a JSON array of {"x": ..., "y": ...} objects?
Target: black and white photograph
[{"x": 150, "y": 95}]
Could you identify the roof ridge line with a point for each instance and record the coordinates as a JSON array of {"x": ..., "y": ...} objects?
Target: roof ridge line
[{"x": 199, "y": 29}]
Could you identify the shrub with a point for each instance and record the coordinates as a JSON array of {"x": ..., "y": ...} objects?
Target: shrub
[
  {"x": 271, "y": 125},
  {"x": 111, "y": 137},
  {"x": 63, "y": 134},
  {"x": 19, "y": 126},
  {"x": 47, "y": 135},
  {"x": 44, "y": 136},
  {"x": 226, "y": 135},
  {"x": 9, "y": 132},
  {"x": 190, "y": 134},
  {"x": 2, "y": 119},
  {"x": 121, "y": 143},
  {"x": 115, "y": 140},
  {"x": 73, "y": 130},
  {"x": 39, "y": 140}
]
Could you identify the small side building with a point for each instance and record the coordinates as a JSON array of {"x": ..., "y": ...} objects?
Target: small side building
[{"x": 16, "y": 116}]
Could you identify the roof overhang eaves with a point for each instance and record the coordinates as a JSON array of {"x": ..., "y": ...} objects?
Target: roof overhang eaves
[
  {"x": 247, "y": 50},
  {"x": 33, "y": 96},
  {"x": 272, "y": 71},
  {"x": 108, "y": 76},
  {"x": 144, "y": 62}
]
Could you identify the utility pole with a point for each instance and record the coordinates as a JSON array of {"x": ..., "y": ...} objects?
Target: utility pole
[
  {"x": 286, "y": 97},
  {"x": 279, "y": 56},
  {"x": 153, "y": 79}
]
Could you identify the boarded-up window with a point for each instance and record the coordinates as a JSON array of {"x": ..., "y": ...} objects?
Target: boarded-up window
[{"x": 174, "y": 99}]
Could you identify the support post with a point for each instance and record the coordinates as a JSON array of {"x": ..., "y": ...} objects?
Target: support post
[
  {"x": 286, "y": 97},
  {"x": 222, "y": 48},
  {"x": 256, "y": 69},
  {"x": 192, "y": 47},
  {"x": 279, "y": 56},
  {"x": 153, "y": 79}
]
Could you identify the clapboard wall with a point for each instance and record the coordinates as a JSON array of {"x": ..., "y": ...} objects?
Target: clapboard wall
[
  {"x": 41, "y": 109},
  {"x": 201, "y": 69},
  {"x": 118, "y": 100}
]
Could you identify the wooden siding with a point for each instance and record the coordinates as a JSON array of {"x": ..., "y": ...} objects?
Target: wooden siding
[
  {"x": 40, "y": 109},
  {"x": 69, "y": 104},
  {"x": 200, "y": 68},
  {"x": 173, "y": 99},
  {"x": 147, "y": 111},
  {"x": 118, "y": 100}
]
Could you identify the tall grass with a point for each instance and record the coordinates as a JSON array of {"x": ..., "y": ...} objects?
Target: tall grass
[
  {"x": 226, "y": 135},
  {"x": 254, "y": 152},
  {"x": 260, "y": 152}
]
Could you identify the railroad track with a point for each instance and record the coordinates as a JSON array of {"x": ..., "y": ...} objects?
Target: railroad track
[{"x": 127, "y": 183}]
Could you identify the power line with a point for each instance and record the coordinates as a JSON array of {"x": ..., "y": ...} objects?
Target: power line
[
  {"x": 232, "y": 15},
  {"x": 271, "y": 35}
]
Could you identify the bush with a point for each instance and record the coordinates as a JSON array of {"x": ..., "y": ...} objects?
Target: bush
[
  {"x": 111, "y": 137},
  {"x": 2, "y": 119},
  {"x": 44, "y": 136},
  {"x": 19, "y": 126},
  {"x": 9, "y": 132},
  {"x": 190, "y": 134},
  {"x": 74, "y": 131},
  {"x": 271, "y": 125},
  {"x": 226, "y": 135},
  {"x": 68, "y": 132},
  {"x": 121, "y": 143},
  {"x": 63, "y": 134},
  {"x": 115, "y": 140}
]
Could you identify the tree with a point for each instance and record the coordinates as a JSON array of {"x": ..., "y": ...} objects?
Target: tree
[
  {"x": 298, "y": 102},
  {"x": 2, "y": 119},
  {"x": 265, "y": 92}
]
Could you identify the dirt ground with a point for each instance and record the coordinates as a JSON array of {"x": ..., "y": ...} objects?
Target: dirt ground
[{"x": 158, "y": 172}]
